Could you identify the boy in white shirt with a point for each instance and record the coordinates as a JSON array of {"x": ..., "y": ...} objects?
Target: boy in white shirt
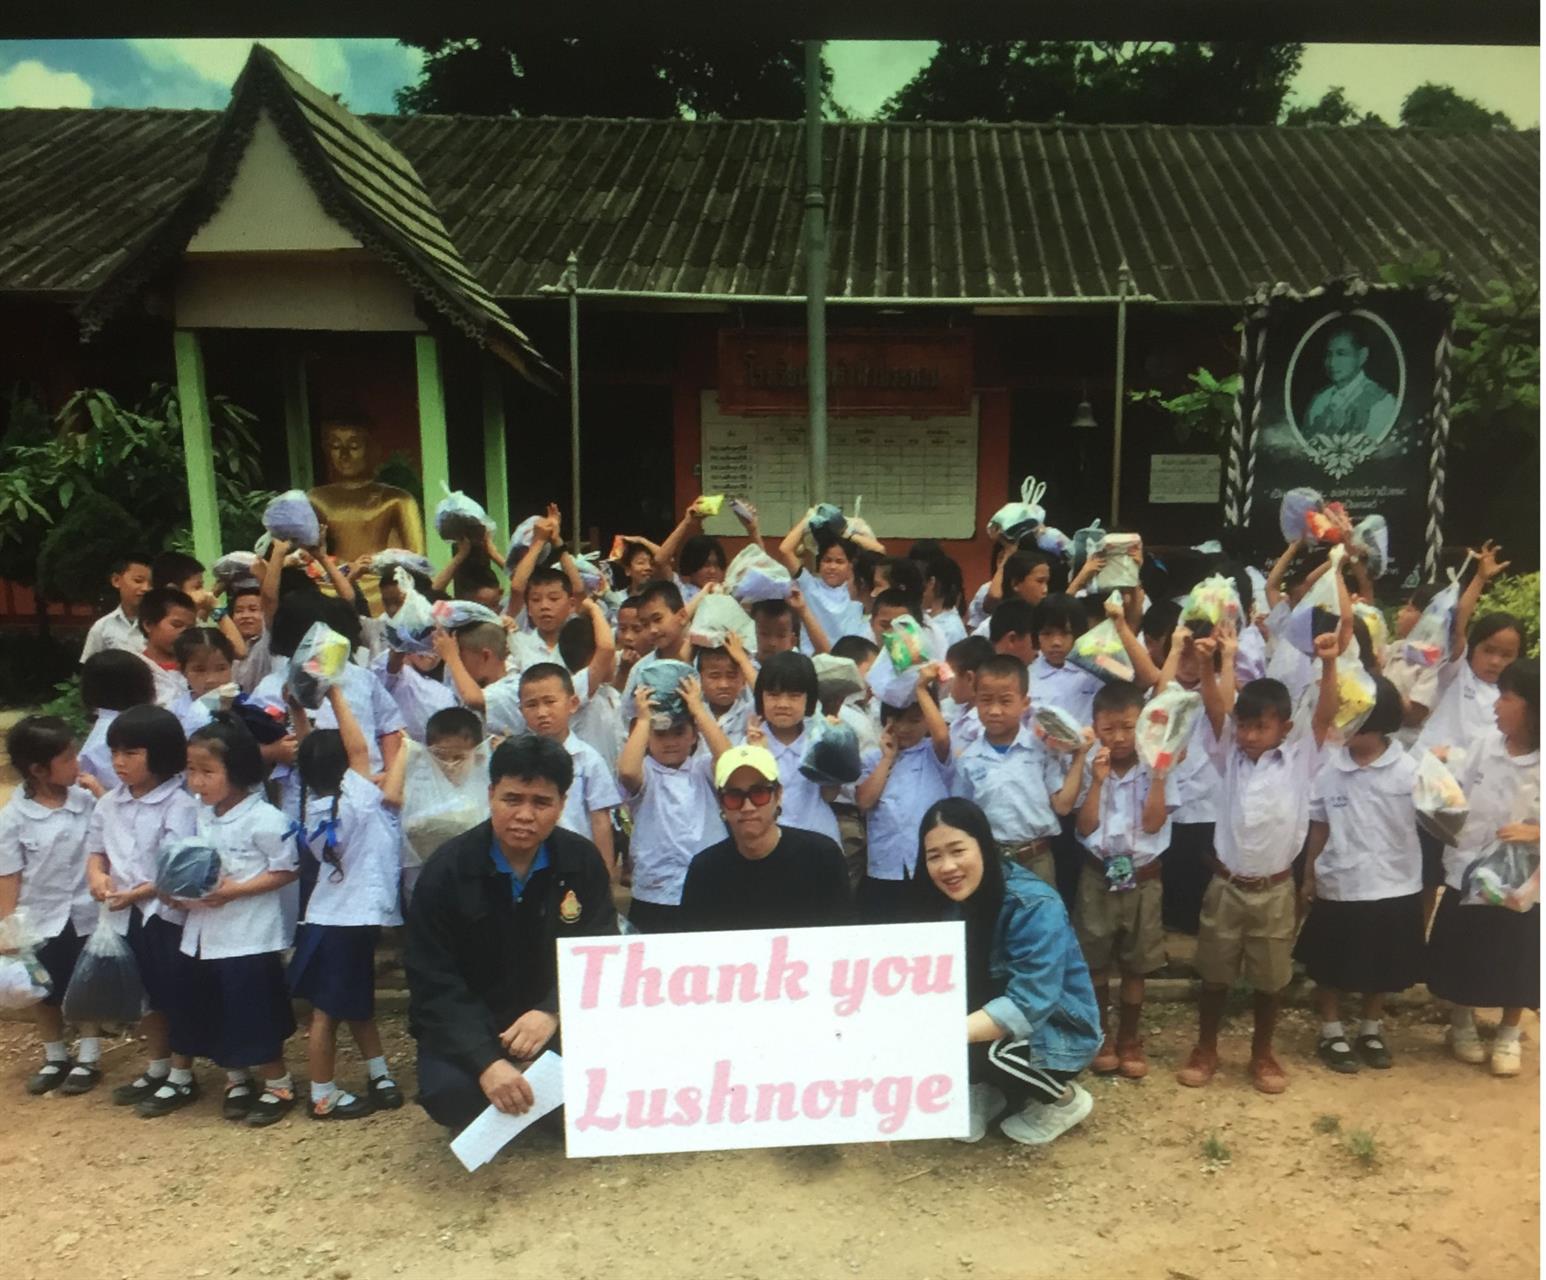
[
  {"x": 728, "y": 676},
  {"x": 120, "y": 629},
  {"x": 165, "y": 613},
  {"x": 476, "y": 657},
  {"x": 1060, "y": 620}
]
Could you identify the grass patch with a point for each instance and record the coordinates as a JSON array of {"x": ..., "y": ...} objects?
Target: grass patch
[
  {"x": 1214, "y": 1150},
  {"x": 1328, "y": 1124},
  {"x": 1361, "y": 1146}
]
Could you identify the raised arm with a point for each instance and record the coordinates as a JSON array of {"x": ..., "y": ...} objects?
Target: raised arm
[
  {"x": 467, "y": 688},
  {"x": 1279, "y": 568},
  {"x": 1488, "y": 567},
  {"x": 355, "y": 746},
  {"x": 750, "y": 522},
  {"x": 708, "y": 727},
  {"x": 444, "y": 577},
  {"x": 737, "y": 650},
  {"x": 393, "y": 785},
  {"x": 268, "y": 589},
  {"x": 1155, "y": 808},
  {"x": 808, "y": 619},
  {"x": 546, "y": 531},
  {"x": 666, "y": 553},
  {"x": 604, "y": 662},
  {"x": 1327, "y": 701},
  {"x": 630, "y": 761},
  {"x": 788, "y": 552},
  {"x": 1067, "y": 795},
  {"x": 933, "y": 717},
  {"x": 1145, "y": 673},
  {"x": 1179, "y": 639},
  {"x": 1215, "y": 701},
  {"x": 868, "y": 792}
]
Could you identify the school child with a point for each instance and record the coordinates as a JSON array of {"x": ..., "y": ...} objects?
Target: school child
[
  {"x": 830, "y": 588},
  {"x": 691, "y": 559},
  {"x": 1362, "y": 884},
  {"x": 668, "y": 786},
  {"x": 727, "y": 677},
  {"x": 636, "y": 566},
  {"x": 1012, "y": 631},
  {"x": 1012, "y": 775},
  {"x": 120, "y": 629},
  {"x": 438, "y": 789},
  {"x": 1124, "y": 826},
  {"x": 245, "y": 602},
  {"x": 549, "y": 605},
  {"x": 1266, "y": 771},
  {"x": 1024, "y": 575},
  {"x": 887, "y": 606},
  {"x": 417, "y": 684},
  {"x": 237, "y": 1004},
  {"x": 787, "y": 697},
  {"x": 1417, "y": 685},
  {"x": 629, "y": 640},
  {"x": 548, "y": 704},
  {"x": 903, "y": 777},
  {"x": 1486, "y": 956},
  {"x": 861, "y": 710},
  {"x": 470, "y": 574},
  {"x": 145, "y": 809},
  {"x": 942, "y": 591},
  {"x": 1055, "y": 682},
  {"x": 476, "y": 658},
  {"x": 959, "y": 707},
  {"x": 586, "y": 649},
  {"x": 112, "y": 681},
  {"x": 353, "y": 846},
  {"x": 43, "y": 830},
  {"x": 662, "y": 628},
  {"x": 1291, "y": 577},
  {"x": 792, "y": 623},
  {"x": 206, "y": 661},
  {"x": 165, "y": 613}
]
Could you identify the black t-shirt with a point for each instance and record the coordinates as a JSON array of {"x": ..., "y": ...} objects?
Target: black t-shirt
[{"x": 803, "y": 883}]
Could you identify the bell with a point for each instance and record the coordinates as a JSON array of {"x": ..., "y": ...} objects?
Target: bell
[{"x": 1084, "y": 416}]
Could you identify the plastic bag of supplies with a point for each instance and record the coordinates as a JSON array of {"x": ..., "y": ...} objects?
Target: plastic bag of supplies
[
  {"x": 664, "y": 681},
  {"x": 291, "y": 518},
  {"x": 1165, "y": 726},
  {"x": 459, "y": 518},
  {"x": 1014, "y": 520},
  {"x": 1504, "y": 868},
  {"x": 23, "y": 980},
  {"x": 1210, "y": 603},
  {"x": 1053, "y": 541},
  {"x": 1430, "y": 639},
  {"x": 1119, "y": 567},
  {"x": 1083, "y": 544},
  {"x": 1319, "y": 611},
  {"x": 442, "y": 799},
  {"x": 708, "y": 504},
  {"x": 521, "y": 540},
  {"x": 716, "y": 617},
  {"x": 1442, "y": 808},
  {"x": 106, "y": 985},
  {"x": 318, "y": 662},
  {"x": 187, "y": 868},
  {"x": 1058, "y": 728},
  {"x": 1294, "y": 512},
  {"x": 831, "y": 753},
  {"x": 1356, "y": 691},
  {"x": 836, "y": 677},
  {"x": 383, "y": 562},
  {"x": 1100, "y": 651},
  {"x": 234, "y": 566},
  {"x": 411, "y": 628},
  {"x": 1372, "y": 536},
  {"x": 906, "y": 644},
  {"x": 755, "y": 575}
]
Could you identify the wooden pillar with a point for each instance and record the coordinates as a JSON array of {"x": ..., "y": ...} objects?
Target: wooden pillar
[
  {"x": 496, "y": 466},
  {"x": 434, "y": 462},
  {"x": 292, "y": 373},
  {"x": 198, "y": 447}
]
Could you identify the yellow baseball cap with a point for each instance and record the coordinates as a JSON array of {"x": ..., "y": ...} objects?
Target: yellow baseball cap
[{"x": 758, "y": 758}]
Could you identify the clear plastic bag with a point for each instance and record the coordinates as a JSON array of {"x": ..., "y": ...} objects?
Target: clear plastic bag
[
  {"x": 716, "y": 617},
  {"x": 1053, "y": 541},
  {"x": 755, "y": 575},
  {"x": 1210, "y": 603},
  {"x": 106, "y": 985},
  {"x": 836, "y": 677},
  {"x": 458, "y": 518},
  {"x": 187, "y": 868},
  {"x": 595, "y": 573},
  {"x": 441, "y": 801},
  {"x": 831, "y": 753},
  {"x": 1084, "y": 543},
  {"x": 1100, "y": 651},
  {"x": 383, "y": 562},
  {"x": 1014, "y": 520},
  {"x": 1430, "y": 640},
  {"x": 234, "y": 566},
  {"x": 1503, "y": 868},
  {"x": 1442, "y": 808},
  {"x": 453, "y": 615},
  {"x": 1165, "y": 725},
  {"x": 1374, "y": 624},
  {"x": 318, "y": 662},
  {"x": 906, "y": 644},
  {"x": 1294, "y": 512},
  {"x": 1319, "y": 611},
  {"x": 291, "y": 518},
  {"x": 1058, "y": 728},
  {"x": 23, "y": 980},
  {"x": 1118, "y": 567},
  {"x": 1356, "y": 691},
  {"x": 664, "y": 681},
  {"x": 411, "y": 629},
  {"x": 268, "y": 722},
  {"x": 1372, "y": 536},
  {"x": 708, "y": 504},
  {"x": 525, "y": 533}
]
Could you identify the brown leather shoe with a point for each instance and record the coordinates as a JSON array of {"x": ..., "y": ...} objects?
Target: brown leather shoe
[
  {"x": 1267, "y": 1076},
  {"x": 1199, "y": 1069},
  {"x": 1132, "y": 1062},
  {"x": 1106, "y": 1059}
]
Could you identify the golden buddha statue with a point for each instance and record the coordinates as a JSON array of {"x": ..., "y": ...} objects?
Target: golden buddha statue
[{"x": 363, "y": 516}]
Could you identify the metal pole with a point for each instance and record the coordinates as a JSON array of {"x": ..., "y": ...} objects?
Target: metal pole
[
  {"x": 1124, "y": 280},
  {"x": 815, "y": 275},
  {"x": 572, "y": 279}
]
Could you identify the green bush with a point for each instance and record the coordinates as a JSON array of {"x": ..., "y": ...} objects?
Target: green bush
[
  {"x": 1520, "y": 595},
  {"x": 67, "y": 705},
  {"x": 78, "y": 553}
]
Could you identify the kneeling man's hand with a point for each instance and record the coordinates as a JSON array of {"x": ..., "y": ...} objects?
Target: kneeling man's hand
[
  {"x": 525, "y": 1038},
  {"x": 506, "y": 1088}
]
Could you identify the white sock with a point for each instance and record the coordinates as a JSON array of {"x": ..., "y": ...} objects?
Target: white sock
[
  {"x": 1462, "y": 1017},
  {"x": 376, "y": 1068},
  {"x": 321, "y": 1091},
  {"x": 180, "y": 1075},
  {"x": 157, "y": 1068},
  {"x": 55, "y": 1051},
  {"x": 1507, "y": 1035},
  {"x": 1369, "y": 1027},
  {"x": 89, "y": 1052},
  {"x": 238, "y": 1077},
  {"x": 283, "y": 1082},
  {"x": 1332, "y": 1031}
]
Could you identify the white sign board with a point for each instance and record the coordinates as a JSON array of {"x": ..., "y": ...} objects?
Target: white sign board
[
  {"x": 1185, "y": 477},
  {"x": 763, "y": 1038}
]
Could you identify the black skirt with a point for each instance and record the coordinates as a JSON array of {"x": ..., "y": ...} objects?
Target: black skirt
[
  {"x": 1374, "y": 945},
  {"x": 334, "y": 967},
  {"x": 1485, "y": 957}
]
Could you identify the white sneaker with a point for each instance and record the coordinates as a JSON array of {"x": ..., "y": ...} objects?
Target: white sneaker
[
  {"x": 1505, "y": 1058},
  {"x": 987, "y": 1104},
  {"x": 1042, "y": 1122},
  {"x": 1465, "y": 1044}
]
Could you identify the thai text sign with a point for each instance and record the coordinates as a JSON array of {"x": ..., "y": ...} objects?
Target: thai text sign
[
  {"x": 767, "y": 1038},
  {"x": 908, "y": 373}
]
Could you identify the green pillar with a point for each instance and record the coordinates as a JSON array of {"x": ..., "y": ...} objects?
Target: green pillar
[
  {"x": 434, "y": 463},
  {"x": 292, "y": 373},
  {"x": 496, "y": 466},
  {"x": 198, "y": 448}
]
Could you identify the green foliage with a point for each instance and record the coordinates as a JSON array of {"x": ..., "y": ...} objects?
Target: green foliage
[
  {"x": 1328, "y": 1124},
  {"x": 1334, "y": 108},
  {"x": 1520, "y": 595},
  {"x": 1208, "y": 411},
  {"x": 1438, "y": 106},
  {"x": 79, "y": 551},
  {"x": 1362, "y": 1147},
  {"x": 67, "y": 705},
  {"x": 1214, "y": 1150}
]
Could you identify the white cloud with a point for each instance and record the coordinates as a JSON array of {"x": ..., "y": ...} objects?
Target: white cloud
[
  {"x": 32, "y": 84},
  {"x": 326, "y": 63}
]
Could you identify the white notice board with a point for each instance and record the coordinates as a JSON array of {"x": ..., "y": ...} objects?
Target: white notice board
[
  {"x": 917, "y": 476},
  {"x": 1185, "y": 477}
]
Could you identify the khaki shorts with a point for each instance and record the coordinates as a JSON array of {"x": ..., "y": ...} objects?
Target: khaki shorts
[
  {"x": 1036, "y": 857},
  {"x": 1249, "y": 929},
  {"x": 1124, "y": 924},
  {"x": 850, "y": 826}
]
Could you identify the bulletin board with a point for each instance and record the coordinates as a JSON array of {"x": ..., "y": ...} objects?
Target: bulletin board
[{"x": 917, "y": 476}]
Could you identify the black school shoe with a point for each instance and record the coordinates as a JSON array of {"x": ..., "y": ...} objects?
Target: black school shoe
[
  {"x": 1374, "y": 1053},
  {"x": 385, "y": 1095},
  {"x": 83, "y": 1078},
  {"x": 159, "y": 1104},
  {"x": 270, "y": 1107},
  {"x": 355, "y": 1108},
  {"x": 127, "y": 1095},
  {"x": 1337, "y": 1054},
  {"x": 48, "y": 1077},
  {"x": 237, "y": 1106}
]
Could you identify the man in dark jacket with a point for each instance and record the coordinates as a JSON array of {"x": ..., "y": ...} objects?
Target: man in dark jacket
[{"x": 482, "y": 958}]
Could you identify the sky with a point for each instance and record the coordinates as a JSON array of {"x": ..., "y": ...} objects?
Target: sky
[{"x": 198, "y": 73}]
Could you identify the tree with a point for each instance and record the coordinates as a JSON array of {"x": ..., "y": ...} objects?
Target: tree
[
  {"x": 582, "y": 76},
  {"x": 1438, "y": 106},
  {"x": 1334, "y": 108},
  {"x": 1086, "y": 82}
]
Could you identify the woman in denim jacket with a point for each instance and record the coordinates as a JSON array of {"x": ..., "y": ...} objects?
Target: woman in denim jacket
[{"x": 1034, "y": 1024}]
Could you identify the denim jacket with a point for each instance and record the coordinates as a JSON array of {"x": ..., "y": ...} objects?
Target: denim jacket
[{"x": 1035, "y": 960}]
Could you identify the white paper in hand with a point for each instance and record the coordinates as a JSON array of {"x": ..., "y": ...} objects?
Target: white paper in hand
[{"x": 488, "y": 1135}]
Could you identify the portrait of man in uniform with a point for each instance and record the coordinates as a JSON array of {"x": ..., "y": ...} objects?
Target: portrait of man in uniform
[{"x": 1352, "y": 402}]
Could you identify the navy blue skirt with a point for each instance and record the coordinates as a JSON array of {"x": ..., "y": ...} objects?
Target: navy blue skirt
[
  {"x": 236, "y": 1011},
  {"x": 157, "y": 946},
  {"x": 334, "y": 967},
  {"x": 58, "y": 955}
]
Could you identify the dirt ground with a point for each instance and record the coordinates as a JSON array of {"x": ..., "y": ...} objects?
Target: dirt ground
[{"x": 1161, "y": 1182}]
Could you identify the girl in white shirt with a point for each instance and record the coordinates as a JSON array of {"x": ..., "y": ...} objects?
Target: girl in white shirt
[
  {"x": 43, "y": 868},
  {"x": 1362, "y": 884},
  {"x": 352, "y": 869},
  {"x": 205, "y": 658},
  {"x": 234, "y": 934},
  {"x": 147, "y": 809},
  {"x": 111, "y": 682}
]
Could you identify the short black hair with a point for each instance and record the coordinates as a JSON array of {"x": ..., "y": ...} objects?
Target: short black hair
[
  {"x": 969, "y": 654},
  {"x": 122, "y": 562},
  {"x": 1303, "y": 565},
  {"x": 233, "y": 742},
  {"x": 1060, "y": 613},
  {"x": 196, "y": 639},
  {"x": 293, "y": 618},
  {"x": 242, "y": 588},
  {"x": 476, "y": 575},
  {"x": 906, "y": 575},
  {"x": 173, "y": 568},
  {"x": 774, "y": 611},
  {"x": 1007, "y": 666},
  {"x": 697, "y": 551},
  {"x": 888, "y": 712},
  {"x": 707, "y": 651},
  {"x": 663, "y": 590},
  {"x": 1423, "y": 596},
  {"x": 826, "y": 540},
  {"x": 546, "y": 671},
  {"x": 453, "y": 722},
  {"x": 1258, "y": 698},
  {"x": 546, "y": 576},
  {"x": 158, "y": 732},
  {"x": 482, "y": 635},
  {"x": 115, "y": 680},
  {"x": 35, "y": 742},
  {"x": 634, "y": 602},
  {"x": 577, "y": 642},
  {"x": 1021, "y": 565},
  {"x": 1160, "y": 619},
  {"x": 910, "y": 602},
  {"x": 529, "y": 758},
  {"x": 1120, "y": 695},
  {"x": 924, "y": 550},
  {"x": 1388, "y": 711},
  {"x": 949, "y": 585},
  {"x": 788, "y": 672},
  {"x": 857, "y": 649},
  {"x": 1522, "y": 677},
  {"x": 1014, "y": 616},
  {"x": 160, "y": 601}
]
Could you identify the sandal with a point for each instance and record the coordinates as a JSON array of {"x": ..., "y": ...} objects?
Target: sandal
[
  {"x": 1337, "y": 1054},
  {"x": 49, "y": 1076},
  {"x": 238, "y": 1100},
  {"x": 1374, "y": 1053},
  {"x": 83, "y": 1078},
  {"x": 385, "y": 1094},
  {"x": 271, "y": 1106}
]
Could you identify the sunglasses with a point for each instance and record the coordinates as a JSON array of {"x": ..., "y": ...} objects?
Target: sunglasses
[{"x": 760, "y": 795}]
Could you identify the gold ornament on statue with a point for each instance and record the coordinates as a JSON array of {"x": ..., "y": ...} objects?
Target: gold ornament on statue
[{"x": 362, "y": 515}]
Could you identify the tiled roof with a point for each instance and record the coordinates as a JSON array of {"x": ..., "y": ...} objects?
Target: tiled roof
[{"x": 947, "y": 211}]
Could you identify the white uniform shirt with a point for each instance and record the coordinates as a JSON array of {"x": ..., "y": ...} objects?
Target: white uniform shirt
[
  {"x": 1120, "y": 829},
  {"x": 1264, "y": 807},
  {"x": 675, "y": 817},
  {"x": 362, "y": 889},
  {"x": 1500, "y": 789},
  {"x": 1462, "y": 714},
  {"x": 835, "y": 608},
  {"x": 599, "y": 721},
  {"x": 1251, "y": 656},
  {"x": 1372, "y": 849},
  {"x": 593, "y": 787},
  {"x": 130, "y": 831},
  {"x": 95, "y": 757},
  {"x": 949, "y": 628},
  {"x": 1014, "y": 788},
  {"x": 802, "y": 804},
  {"x": 1286, "y": 662},
  {"x": 115, "y": 631},
  {"x": 502, "y": 706},
  {"x": 1196, "y": 777},
  {"x": 169, "y": 684},
  {"x": 918, "y": 779},
  {"x": 965, "y": 729},
  {"x": 416, "y": 695},
  {"x": 1067, "y": 687},
  {"x": 252, "y": 837},
  {"x": 527, "y": 649},
  {"x": 733, "y": 722},
  {"x": 48, "y": 847}
]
